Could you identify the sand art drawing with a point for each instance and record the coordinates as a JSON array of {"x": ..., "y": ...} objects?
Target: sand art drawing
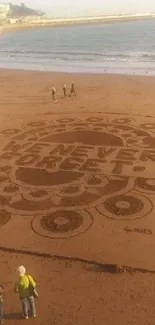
[{"x": 56, "y": 171}]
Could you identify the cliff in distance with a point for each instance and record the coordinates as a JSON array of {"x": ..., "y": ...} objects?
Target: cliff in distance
[{"x": 22, "y": 11}]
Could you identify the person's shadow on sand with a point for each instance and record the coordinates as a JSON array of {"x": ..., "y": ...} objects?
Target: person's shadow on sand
[{"x": 13, "y": 316}]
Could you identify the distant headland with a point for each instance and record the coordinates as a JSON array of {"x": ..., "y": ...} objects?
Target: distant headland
[{"x": 20, "y": 16}]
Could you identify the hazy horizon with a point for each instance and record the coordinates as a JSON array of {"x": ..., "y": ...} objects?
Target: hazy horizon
[{"x": 87, "y": 7}]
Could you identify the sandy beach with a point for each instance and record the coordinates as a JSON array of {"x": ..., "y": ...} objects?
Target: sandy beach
[
  {"x": 77, "y": 196},
  {"x": 26, "y": 93}
]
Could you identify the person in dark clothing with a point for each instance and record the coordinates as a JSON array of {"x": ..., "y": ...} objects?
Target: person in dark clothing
[
  {"x": 64, "y": 90},
  {"x": 72, "y": 91}
]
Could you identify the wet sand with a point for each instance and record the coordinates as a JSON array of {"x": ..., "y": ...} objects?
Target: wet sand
[
  {"x": 44, "y": 23},
  {"x": 63, "y": 194},
  {"x": 25, "y": 93}
]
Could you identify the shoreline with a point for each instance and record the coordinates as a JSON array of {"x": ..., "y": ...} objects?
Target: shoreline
[
  {"x": 139, "y": 72},
  {"x": 70, "y": 22},
  {"x": 100, "y": 77},
  {"x": 95, "y": 75},
  {"x": 128, "y": 64}
]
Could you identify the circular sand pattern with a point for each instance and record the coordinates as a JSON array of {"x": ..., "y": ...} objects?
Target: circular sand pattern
[
  {"x": 4, "y": 217},
  {"x": 131, "y": 206},
  {"x": 62, "y": 221},
  {"x": 148, "y": 126},
  {"x": 145, "y": 185},
  {"x": 10, "y": 132},
  {"x": 93, "y": 119},
  {"x": 57, "y": 165},
  {"x": 62, "y": 224},
  {"x": 36, "y": 124},
  {"x": 122, "y": 121},
  {"x": 123, "y": 205},
  {"x": 66, "y": 120},
  {"x": 151, "y": 182}
]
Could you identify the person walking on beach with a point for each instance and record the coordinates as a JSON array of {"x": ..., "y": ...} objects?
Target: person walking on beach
[
  {"x": 1, "y": 304},
  {"x": 53, "y": 94},
  {"x": 72, "y": 91},
  {"x": 25, "y": 286},
  {"x": 64, "y": 90}
]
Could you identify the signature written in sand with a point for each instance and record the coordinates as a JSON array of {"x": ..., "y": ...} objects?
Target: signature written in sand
[{"x": 139, "y": 230}]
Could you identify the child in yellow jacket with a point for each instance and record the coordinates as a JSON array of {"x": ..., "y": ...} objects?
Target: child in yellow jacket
[{"x": 25, "y": 287}]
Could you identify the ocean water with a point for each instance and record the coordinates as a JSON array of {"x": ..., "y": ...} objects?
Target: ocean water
[{"x": 120, "y": 47}]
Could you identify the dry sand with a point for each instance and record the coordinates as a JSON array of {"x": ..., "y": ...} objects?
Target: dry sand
[
  {"x": 75, "y": 293},
  {"x": 77, "y": 182},
  {"x": 29, "y": 93}
]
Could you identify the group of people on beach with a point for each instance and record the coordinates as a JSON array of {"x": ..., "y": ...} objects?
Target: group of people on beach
[
  {"x": 64, "y": 89},
  {"x": 25, "y": 286}
]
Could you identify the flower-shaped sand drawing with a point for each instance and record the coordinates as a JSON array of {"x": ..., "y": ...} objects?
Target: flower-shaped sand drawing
[{"x": 57, "y": 171}]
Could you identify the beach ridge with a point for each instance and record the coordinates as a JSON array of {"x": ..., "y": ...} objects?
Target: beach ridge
[{"x": 17, "y": 24}]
